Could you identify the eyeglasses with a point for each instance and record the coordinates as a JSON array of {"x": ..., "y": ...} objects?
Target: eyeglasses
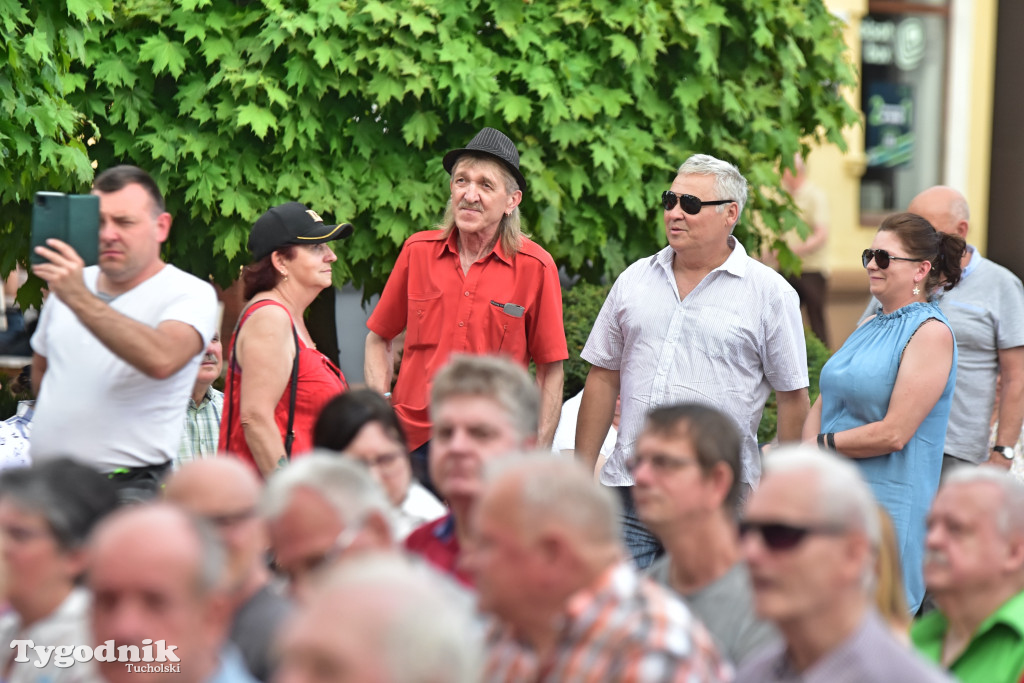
[
  {"x": 659, "y": 462},
  {"x": 778, "y": 536},
  {"x": 688, "y": 202},
  {"x": 882, "y": 258}
]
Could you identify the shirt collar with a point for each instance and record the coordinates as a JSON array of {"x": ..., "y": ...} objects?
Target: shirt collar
[
  {"x": 735, "y": 264},
  {"x": 972, "y": 264},
  {"x": 26, "y": 409},
  {"x": 452, "y": 245}
]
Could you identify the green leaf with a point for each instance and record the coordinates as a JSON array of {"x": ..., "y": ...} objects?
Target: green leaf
[
  {"x": 259, "y": 119},
  {"x": 421, "y": 128},
  {"x": 165, "y": 55},
  {"x": 514, "y": 107}
]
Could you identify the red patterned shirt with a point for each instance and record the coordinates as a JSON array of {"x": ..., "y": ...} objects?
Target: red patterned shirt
[{"x": 624, "y": 628}]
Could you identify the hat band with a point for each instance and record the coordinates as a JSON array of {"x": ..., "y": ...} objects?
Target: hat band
[{"x": 319, "y": 237}]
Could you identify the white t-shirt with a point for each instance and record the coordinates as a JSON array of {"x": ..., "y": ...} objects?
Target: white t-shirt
[
  {"x": 97, "y": 408},
  {"x": 565, "y": 432},
  {"x": 419, "y": 507}
]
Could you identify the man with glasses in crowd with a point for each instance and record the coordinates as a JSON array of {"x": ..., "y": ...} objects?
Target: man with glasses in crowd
[
  {"x": 320, "y": 508},
  {"x": 700, "y": 321},
  {"x": 225, "y": 492},
  {"x": 687, "y": 473},
  {"x": 810, "y": 536}
]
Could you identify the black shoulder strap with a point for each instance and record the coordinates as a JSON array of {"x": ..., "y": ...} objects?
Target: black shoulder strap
[{"x": 290, "y": 434}]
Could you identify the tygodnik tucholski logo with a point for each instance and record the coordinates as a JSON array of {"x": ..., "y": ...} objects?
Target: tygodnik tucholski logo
[{"x": 63, "y": 656}]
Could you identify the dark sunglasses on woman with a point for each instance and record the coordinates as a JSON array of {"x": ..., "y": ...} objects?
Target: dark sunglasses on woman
[{"x": 882, "y": 258}]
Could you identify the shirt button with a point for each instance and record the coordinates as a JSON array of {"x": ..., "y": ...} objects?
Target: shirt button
[
  {"x": 467, "y": 293},
  {"x": 462, "y": 324}
]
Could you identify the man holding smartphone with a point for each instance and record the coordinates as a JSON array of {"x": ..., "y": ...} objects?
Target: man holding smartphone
[{"x": 118, "y": 345}]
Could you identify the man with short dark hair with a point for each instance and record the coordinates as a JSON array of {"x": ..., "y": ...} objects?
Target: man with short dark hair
[
  {"x": 118, "y": 345},
  {"x": 810, "y": 535},
  {"x": 974, "y": 570},
  {"x": 687, "y": 473},
  {"x": 474, "y": 285}
]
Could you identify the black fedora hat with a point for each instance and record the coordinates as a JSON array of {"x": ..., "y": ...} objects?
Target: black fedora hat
[
  {"x": 291, "y": 223},
  {"x": 493, "y": 143}
]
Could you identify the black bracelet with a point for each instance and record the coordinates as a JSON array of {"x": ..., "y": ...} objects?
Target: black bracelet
[
  {"x": 831, "y": 437},
  {"x": 821, "y": 441}
]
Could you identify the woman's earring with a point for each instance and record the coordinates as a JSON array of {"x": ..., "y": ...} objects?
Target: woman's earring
[{"x": 917, "y": 290}]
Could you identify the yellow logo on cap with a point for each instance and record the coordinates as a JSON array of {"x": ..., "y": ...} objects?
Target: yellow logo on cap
[{"x": 314, "y": 215}]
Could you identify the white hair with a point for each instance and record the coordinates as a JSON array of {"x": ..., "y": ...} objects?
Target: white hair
[
  {"x": 1010, "y": 517},
  {"x": 561, "y": 490},
  {"x": 845, "y": 499},
  {"x": 428, "y": 631},
  {"x": 729, "y": 182},
  {"x": 345, "y": 485}
]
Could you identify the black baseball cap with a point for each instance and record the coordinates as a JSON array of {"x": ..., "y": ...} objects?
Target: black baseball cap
[{"x": 291, "y": 223}]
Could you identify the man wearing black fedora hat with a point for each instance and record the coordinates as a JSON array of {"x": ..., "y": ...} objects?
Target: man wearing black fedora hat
[{"x": 474, "y": 285}]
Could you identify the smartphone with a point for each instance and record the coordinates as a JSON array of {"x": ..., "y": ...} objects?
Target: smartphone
[{"x": 73, "y": 218}]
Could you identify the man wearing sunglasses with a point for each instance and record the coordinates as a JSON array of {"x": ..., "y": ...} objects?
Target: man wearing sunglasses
[
  {"x": 810, "y": 536},
  {"x": 700, "y": 321},
  {"x": 986, "y": 313}
]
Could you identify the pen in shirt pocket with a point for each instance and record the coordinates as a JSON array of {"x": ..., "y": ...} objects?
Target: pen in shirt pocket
[{"x": 514, "y": 310}]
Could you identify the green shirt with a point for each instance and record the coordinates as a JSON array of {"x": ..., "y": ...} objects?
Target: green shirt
[{"x": 995, "y": 653}]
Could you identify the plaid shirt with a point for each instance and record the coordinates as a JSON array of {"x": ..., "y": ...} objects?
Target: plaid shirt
[
  {"x": 624, "y": 628},
  {"x": 202, "y": 428}
]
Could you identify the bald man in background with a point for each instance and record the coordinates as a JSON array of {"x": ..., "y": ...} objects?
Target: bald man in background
[{"x": 226, "y": 493}]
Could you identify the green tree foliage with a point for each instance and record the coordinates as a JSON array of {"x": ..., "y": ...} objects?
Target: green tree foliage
[
  {"x": 41, "y": 146},
  {"x": 348, "y": 106}
]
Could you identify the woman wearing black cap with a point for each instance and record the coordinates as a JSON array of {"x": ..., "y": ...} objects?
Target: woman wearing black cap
[{"x": 277, "y": 381}]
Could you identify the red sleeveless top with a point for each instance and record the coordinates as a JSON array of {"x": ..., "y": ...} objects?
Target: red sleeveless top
[{"x": 320, "y": 380}]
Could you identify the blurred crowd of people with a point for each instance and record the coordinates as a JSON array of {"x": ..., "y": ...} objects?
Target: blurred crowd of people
[{"x": 452, "y": 521}]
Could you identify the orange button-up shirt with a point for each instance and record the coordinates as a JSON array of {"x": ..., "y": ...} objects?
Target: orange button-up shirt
[{"x": 446, "y": 311}]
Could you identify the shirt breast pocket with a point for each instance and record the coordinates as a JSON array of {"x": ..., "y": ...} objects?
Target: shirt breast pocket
[
  {"x": 508, "y": 334},
  {"x": 719, "y": 335},
  {"x": 424, "y": 326}
]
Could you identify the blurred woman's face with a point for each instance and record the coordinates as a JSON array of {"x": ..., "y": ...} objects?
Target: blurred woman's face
[
  {"x": 386, "y": 459},
  {"x": 34, "y": 564}
]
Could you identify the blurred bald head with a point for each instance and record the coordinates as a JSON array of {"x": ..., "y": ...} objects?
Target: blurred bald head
[
  {"x": 225, "y": 493},
  {"x": 944, "y": 207},
  {"x": 155, "y": 572}
]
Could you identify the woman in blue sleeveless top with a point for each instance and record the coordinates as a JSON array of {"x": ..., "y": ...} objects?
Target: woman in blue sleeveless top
[{"x": 886, "y": 394}]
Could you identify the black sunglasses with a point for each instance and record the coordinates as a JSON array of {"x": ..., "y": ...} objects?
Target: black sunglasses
[
  {"x": 778, "y": 536},
  {"x": 688, "y": 202},
  {"x": 882, "y": 258}
]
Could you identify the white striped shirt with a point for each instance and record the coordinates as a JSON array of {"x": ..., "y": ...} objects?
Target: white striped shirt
[{"x": 735, "y": 337}]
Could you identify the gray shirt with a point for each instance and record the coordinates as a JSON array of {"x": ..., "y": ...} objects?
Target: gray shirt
[
  {"x": 870, "y": 655},
  {"x": 986, "y": 313},
  {"x": 726, "y": 608}
]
